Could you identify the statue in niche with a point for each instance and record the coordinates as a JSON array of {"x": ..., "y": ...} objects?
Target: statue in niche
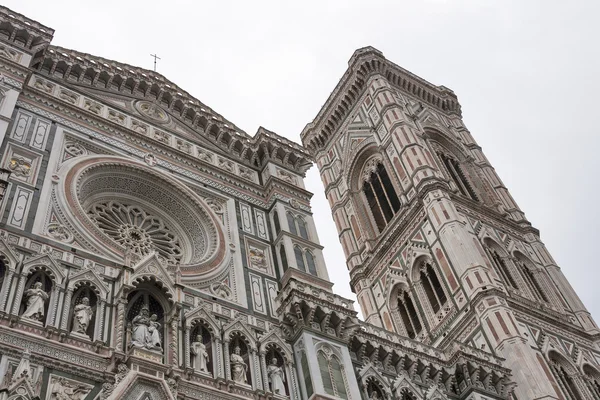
[
  {"x": 276, "y": 377},
  {"x": 374, "y": 395},
  {"x": 36, "y": 300},
  {"x": 238, "y": 367},
  {"x": 62, "y": 389},
  {"x": 146, "y": 331},
  {"x": 154, "y": 333},
  {"x": 200, "y": 354},
  {"x": 82, "y": 315}
]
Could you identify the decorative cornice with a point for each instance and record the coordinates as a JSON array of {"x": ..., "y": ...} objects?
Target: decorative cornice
[
  {"x": 23, "y": 32},
  {"x": 365, "y": 63},
  {"x": 84, "y": 70}
]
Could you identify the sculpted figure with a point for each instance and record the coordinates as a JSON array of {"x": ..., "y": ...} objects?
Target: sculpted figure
[
  {"x": 36, "y": 298},
  {"x": 141, "y": 323},
  {"x": 276, "y": 377},
  {"x": 82, "y": 315},
  {"x": 238, "y": 366},
  {"x": 64, "y": 390},
  {"x": 200, "y": 354},
  {"x": 154, "y": 334}
]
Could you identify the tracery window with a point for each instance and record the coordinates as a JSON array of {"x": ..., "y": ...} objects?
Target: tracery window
[
  {"x": 305, "y": 260},
  {"x": 380, "y": 193},
  {"x": 532, "y": 282},
  {"x": 501, "y": 268},
  {"x": 432, "y": 287},
  {"x": 458, "y": 176},
  {"x": 2, "y": 273},
  {"x": 291, "y": 223},
  {"x": 408, "y": 314},
  {"x": 565, "y": 378},
  {"x": 592, "y": 380},
  {"x": 332, "y": 375},
  {"x": 297, "y": 225}
]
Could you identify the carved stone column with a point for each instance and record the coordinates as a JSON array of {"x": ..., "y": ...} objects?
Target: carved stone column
[
  {"x": 99, "y": 329},
  {"x": 55, "y": 296},
  {"x": 254, "y": 359},
  {"x": 263, "y": 370},
  {"x": 19, "y": 295},
  {"x": 120, "y": 324},
  {"x": 292, "y": 381},
  {"x": 423, "y": 301},
  {"x": 186, "y": 347},
  {"x": 174, "y": 342},
  {"x": 227, "y": 361},
  {"x": 6, "y": 285},
  {"x": 66, "y": 307},
  {"x": 219, "y": 368}
]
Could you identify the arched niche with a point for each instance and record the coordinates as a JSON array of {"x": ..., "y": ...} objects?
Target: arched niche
[
  {"x": 202, "y": 332},
  {"x": 278, "y": 369},
  {"x": 566, "y": 375},
  {"x": 32, "y": 307},
  {"x": 241, "y": 358},
  {"x": 146, "y": 300}
]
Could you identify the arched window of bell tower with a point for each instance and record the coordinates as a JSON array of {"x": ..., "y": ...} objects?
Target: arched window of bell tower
[
  {"x": 432, "y": 286},
  {"x": 531, "y": 276},
  {"x": 565, "y": 374},
  {"x": 379, "y": 192},
  {"x": 458, "y": 176},
  {"x": 500, "y": 261},
  {"x": 408, "y": 314},
  {"x": 592, "y": 380}
]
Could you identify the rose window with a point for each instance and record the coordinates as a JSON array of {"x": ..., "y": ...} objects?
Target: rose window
[{"x": 134, "y": 228}]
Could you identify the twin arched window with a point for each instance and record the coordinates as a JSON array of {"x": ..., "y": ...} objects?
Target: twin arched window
[
  {"x": 433, "y": 287},
  {"x": 408, "y": 314},
  {"x": 332, "y": 375},
  {"x": 592, "y": 380},
  {"x": 532, "y": 282},
  {"x": 380, "y": 193},
  {"x": 501, "y": 268},
  {"x": 458, "y": 176},
  {"x": 305, "y": 260},
  {"x": 297, "y": 225},
  {"x": 565, "y": 378}
]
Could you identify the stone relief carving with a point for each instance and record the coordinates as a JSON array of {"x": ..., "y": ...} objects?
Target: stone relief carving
[
  {"x": 205, "y": 156},
  {"x": 257, "y": 258},
  {"x": 286, "y": 176},
  {"x": 221, "y": 289},
  {"x": 75, "y": 149},
  {"x": 65, "y": 389},
  {"x": 226, "y": 164},
  {"x": 59, "y": 232},
  {"x": 152, "y": 110},
  {"x": 20, "y": 166},
  {"x": 117, "y": 117},
  {"x": 139, "y": 127},
  {"x": 162, "y": 137},
  {"x": 9, "y": 53},
  {"x": 36, "y": 301},
  {"x": 43, "y": 85},
  {"x": 92, "y": 106},
  {"x": 68, "y": 96}
]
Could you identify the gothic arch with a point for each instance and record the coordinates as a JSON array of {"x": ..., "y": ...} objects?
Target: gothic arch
[
  {"x": 534, "y": 276},
  {"x": 566, "y": 374},
  {"x": 46, "y": 263},
  {"x": 8, "y": 256},
  {"x": 273, "y": 339}
]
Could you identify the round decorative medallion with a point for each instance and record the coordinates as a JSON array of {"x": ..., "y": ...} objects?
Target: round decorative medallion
[{"x": 152, "y": 111}]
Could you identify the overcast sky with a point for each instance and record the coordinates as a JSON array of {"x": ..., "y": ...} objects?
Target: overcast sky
[{"x": 525, "y": 73}]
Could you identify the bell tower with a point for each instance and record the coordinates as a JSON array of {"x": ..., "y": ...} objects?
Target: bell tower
[{"x": 437, "y": 248}]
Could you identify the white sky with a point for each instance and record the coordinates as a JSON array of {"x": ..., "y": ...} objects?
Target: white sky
[{"x": 525, "y": 73}]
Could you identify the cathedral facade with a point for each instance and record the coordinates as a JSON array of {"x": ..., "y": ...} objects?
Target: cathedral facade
[{"x": 150, "y": 249}]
